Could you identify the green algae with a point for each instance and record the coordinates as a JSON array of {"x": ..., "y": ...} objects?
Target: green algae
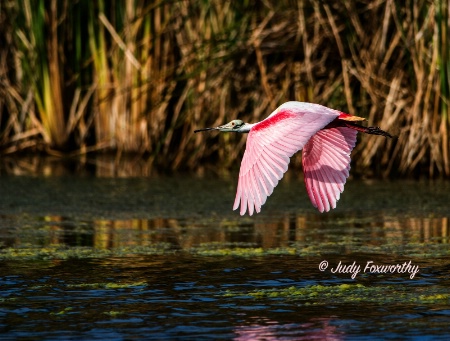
[
  {"x": 62, "y": 252},
  {"x": 63, "y": 312},
  {"x": 348, "y": 293},
  {"x": 216, "y": 250},
  {"x": 417, "y": 250},
  {"x": 113, "y": 313},
  {"x": 109, "y": 285}
]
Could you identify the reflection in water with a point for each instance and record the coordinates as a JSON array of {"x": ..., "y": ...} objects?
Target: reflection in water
[
  {"x": 315, "y": 329},
  {"x": 100, "y": 165},
  {"x": 298, "y": 230},
  {"x": 55, "y": 283}
]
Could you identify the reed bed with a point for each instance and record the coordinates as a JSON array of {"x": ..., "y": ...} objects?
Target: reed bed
[{"x": 139, "y": 76}]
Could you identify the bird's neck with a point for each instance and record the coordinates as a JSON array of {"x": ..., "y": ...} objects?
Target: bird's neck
[{"x": 245, "y": 128}]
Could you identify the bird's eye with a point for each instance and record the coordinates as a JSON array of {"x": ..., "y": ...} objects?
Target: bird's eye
[
  {"x": 236, "y": 125},
  {"x": 232, "y": 123}
]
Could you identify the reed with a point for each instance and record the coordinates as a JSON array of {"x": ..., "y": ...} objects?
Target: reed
[
  {"x": 37, "y": 69},
  {"x": 139, "y": 77},
  {"x": 443, "y": 57}
]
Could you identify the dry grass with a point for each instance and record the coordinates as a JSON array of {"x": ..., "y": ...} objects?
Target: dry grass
[{"x": 140, "y": 77}]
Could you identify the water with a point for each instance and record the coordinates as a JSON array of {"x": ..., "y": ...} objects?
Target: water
[{"x": 161, "y": 257}]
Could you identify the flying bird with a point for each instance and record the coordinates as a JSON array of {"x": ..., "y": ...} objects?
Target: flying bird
[{"x": 327, "y": 137}]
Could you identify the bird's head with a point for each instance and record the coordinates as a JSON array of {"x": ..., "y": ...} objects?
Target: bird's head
[{"x": 237, "y": 126}]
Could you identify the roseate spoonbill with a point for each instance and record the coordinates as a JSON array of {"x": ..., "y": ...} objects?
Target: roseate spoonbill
[{"x": 327, "y": 137}]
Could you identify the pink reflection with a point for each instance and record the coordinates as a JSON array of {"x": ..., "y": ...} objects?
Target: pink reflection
[{"x": 315, "y": 329}]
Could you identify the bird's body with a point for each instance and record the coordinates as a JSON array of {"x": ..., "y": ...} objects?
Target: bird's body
[{"x": 327, "y": 138}]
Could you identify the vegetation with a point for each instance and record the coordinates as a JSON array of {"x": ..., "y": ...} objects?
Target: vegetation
[
  {"x": 318, "y": 295},
  {"x": 140, "y": 76}
]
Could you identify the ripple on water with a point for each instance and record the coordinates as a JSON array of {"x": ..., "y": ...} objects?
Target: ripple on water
[{"x": 153, "y": 259}]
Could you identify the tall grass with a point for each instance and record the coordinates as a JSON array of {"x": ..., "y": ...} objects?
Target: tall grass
[{"x": 140, "y": 76}]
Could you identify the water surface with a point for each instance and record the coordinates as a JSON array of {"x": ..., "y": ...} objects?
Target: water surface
[{"x": 166, "y": 258}]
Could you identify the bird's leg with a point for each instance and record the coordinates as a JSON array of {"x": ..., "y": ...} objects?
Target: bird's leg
[
  {"x": 377, "y": 131},
  {"x": 367, "y": 130}
]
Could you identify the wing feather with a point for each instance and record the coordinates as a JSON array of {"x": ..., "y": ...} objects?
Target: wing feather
[
  {"x": 269, "y": 177},
  {"x": 326, "y": 165},
  {"x": 248, "y": 197},
  {"x": 261, "y": 180},
  {"x": 330, "y": 190},
  {"x": 317, "y": 201},
  {"x": 278, "y": 165},
  {"x": 256, "y": 191},
  {"x": 270, "y": 144},
  {"x": 266, "y": 162}
]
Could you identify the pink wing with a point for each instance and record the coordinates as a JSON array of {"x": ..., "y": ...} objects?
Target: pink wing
[
  {"x": 270, "y": 144},
  {"x": 326, "y": 164}
]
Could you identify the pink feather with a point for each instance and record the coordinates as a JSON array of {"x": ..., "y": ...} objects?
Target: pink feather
[
  {"x": 272, "y": 142},
  {"x": 326, "y": 165},
  {"x": 327, "y": 137}
]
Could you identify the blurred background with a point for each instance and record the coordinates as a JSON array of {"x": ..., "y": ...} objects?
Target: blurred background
[{"x": 131, "y": 80}]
